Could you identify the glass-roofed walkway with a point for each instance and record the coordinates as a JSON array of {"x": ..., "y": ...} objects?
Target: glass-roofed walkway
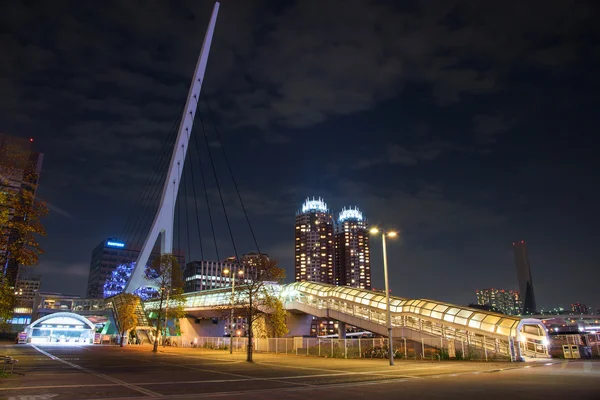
[{"x": 413, "y": 319}]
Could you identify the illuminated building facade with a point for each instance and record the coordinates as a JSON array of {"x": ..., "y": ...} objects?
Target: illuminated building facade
[
  {"x": 206, "y": 275},
  {"x": 524, "y": 276},
  {"x": 578, "y": 308},
  {"x": 506, "y": 301},
  {"x": 20, "y": 168},
  {"x": 352, "y": 257},
  {"x": 314, "y": 248},
  {"x": 27, "y": 287},
  {"x": 106, "y": 256}
]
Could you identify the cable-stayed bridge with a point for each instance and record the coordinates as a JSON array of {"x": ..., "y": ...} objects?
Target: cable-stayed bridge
[{"x": 411, "y": 318}]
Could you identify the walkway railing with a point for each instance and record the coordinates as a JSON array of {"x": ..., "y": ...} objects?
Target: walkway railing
[{"x": 404, "y": 348}]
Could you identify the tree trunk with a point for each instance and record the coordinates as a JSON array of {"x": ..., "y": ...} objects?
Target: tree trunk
[
  {"x": 158, "y": 324},
  {"x": 122, "y": 334},
  {"x": 250, "y": 316}
]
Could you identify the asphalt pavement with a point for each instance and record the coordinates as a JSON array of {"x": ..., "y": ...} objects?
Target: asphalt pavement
[{"x": 134, "y": 372}]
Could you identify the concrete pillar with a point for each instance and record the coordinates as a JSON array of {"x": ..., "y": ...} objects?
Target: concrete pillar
[
  {"x": 192, "y": 328},
  {"x": 341, "y": 330},
  {"x": 298, "y": 324}
]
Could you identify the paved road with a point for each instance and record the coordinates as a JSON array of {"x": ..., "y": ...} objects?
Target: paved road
[{"x": 106, "y": 372}]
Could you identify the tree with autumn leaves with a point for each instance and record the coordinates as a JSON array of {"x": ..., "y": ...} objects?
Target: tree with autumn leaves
[
  {"x": 166, "y": 276},
  {"x": 257, "y": 300},
  {"x": 20, "y": 221}
]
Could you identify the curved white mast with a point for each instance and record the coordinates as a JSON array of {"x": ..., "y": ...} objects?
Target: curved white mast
[{"x": 163, "y": 221}]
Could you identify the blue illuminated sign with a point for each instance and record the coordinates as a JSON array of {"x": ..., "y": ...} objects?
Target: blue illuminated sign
[{"x": 115, "y": 244}]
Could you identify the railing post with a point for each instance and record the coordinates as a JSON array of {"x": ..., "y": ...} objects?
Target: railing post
[
  {"x": 485, "y": 349},
  {"x": 345, "y": 348},
  {"x": 319, "y": 347},
  {"x": 359, "y": 350},
  {"x": 331, "y": 341}
]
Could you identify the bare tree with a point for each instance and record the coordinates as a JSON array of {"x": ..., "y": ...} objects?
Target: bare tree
[{"x": 167, "y": 277}]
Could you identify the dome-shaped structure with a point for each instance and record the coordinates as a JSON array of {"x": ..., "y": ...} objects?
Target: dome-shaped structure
[{"x": 61, "y": 327}]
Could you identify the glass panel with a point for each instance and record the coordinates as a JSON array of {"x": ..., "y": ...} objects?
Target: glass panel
[
  {"x": 452, "y": 311},
  {"x": 478, "y": 317},
  {"x": 460, "y": 320},
  {"x": 429, "y": 306},
  {"x": 474, "y": 324},
  {"x": 449, "y": 318},
  {"x": 436, "y": 314},
  {"x": 441, "y": 308},
  {"x": 424, "y": 312},
  {"x": 465, "y": 313},
  {"x": 488, "y": 327},
  {"x": 492, "y": 319}
]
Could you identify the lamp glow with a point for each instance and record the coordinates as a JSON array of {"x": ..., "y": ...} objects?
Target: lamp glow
[
  {"x": 374, "y": 230},
  {"x": 392, "y": 234}
]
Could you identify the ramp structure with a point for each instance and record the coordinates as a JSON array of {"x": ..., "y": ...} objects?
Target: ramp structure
[{"x": 413, "y": 319}]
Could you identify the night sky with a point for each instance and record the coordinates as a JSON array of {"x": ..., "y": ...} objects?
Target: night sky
[{"x": 466, "y": 124}]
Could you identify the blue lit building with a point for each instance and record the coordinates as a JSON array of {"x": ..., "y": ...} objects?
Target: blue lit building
[
  {"x": 107, "y": 256},
  {"x": 352, "y": 254}
]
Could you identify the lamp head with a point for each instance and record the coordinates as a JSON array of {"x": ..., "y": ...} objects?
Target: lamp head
[
  {"x": 392, "y": 234},
  {"x": 374, "y": 230}
]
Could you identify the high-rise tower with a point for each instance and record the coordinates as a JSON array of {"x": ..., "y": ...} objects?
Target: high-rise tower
[
  {"x": 314, "y": 243},
  {"x": 352, "y": 258},
  {"x": 20, "y": 168},
  {"x": 524, "y": 276}
]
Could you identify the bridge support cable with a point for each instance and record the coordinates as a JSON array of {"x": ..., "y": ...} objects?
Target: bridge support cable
[
  {"x": 210, "y": 218},
  {"x": 191, "y": 169},
  {"x": 235, "y": 185},
  {"x": 148, "y": 195},
  {"x": 187, "y": 220},
  {"x": 212, "y": 163},
  {"x": 149, "y": 204}
]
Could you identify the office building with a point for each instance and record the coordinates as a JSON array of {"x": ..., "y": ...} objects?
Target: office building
[
  {"x": 27, "y": 287},
  {"x": 20, "y": 168},
  {"x": 524, "y": 277},
  {"x": 578, "y": 308},
  {"x": 505, "y": 301},
  {"x": 206, "y": 275},
  {"x": 107, "y": 255},
  {"x": 314, "y": 246},
  {"x": 352, "y": 259}
]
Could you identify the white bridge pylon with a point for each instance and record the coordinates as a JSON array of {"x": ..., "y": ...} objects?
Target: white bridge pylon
[{"x": 164, "y": 219}]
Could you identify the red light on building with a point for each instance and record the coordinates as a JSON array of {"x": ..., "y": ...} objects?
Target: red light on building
[{"x": 31, "y": 139}]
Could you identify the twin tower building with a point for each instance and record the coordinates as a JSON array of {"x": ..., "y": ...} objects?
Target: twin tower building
[{"x": 332, "y": 250}]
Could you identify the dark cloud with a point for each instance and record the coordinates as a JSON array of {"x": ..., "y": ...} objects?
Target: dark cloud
[{"x": 427, "y": 114}]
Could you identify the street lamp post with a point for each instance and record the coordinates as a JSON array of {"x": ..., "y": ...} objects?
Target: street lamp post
[
  {"x": 226, "y": 272},
  {"x": 387, "y": 288}
]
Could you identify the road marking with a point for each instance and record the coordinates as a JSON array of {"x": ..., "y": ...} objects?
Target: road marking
[
  {"x": 564, "y": 365},
  {"x": 99, "y": 375},
  {"x": 587, "y": 366},
  {"x": 33, "y": 397}
]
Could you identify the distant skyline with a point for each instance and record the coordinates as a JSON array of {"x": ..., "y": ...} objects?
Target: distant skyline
[{"x": 465, "y": 125}]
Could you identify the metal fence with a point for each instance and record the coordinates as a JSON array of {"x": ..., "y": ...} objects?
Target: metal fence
[
  {"x": 424, "y": 349},
  {"x": 588, "y": 340}
]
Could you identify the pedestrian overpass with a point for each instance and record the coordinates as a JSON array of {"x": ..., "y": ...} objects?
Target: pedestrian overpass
[{"x": 438, "y": 324}]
